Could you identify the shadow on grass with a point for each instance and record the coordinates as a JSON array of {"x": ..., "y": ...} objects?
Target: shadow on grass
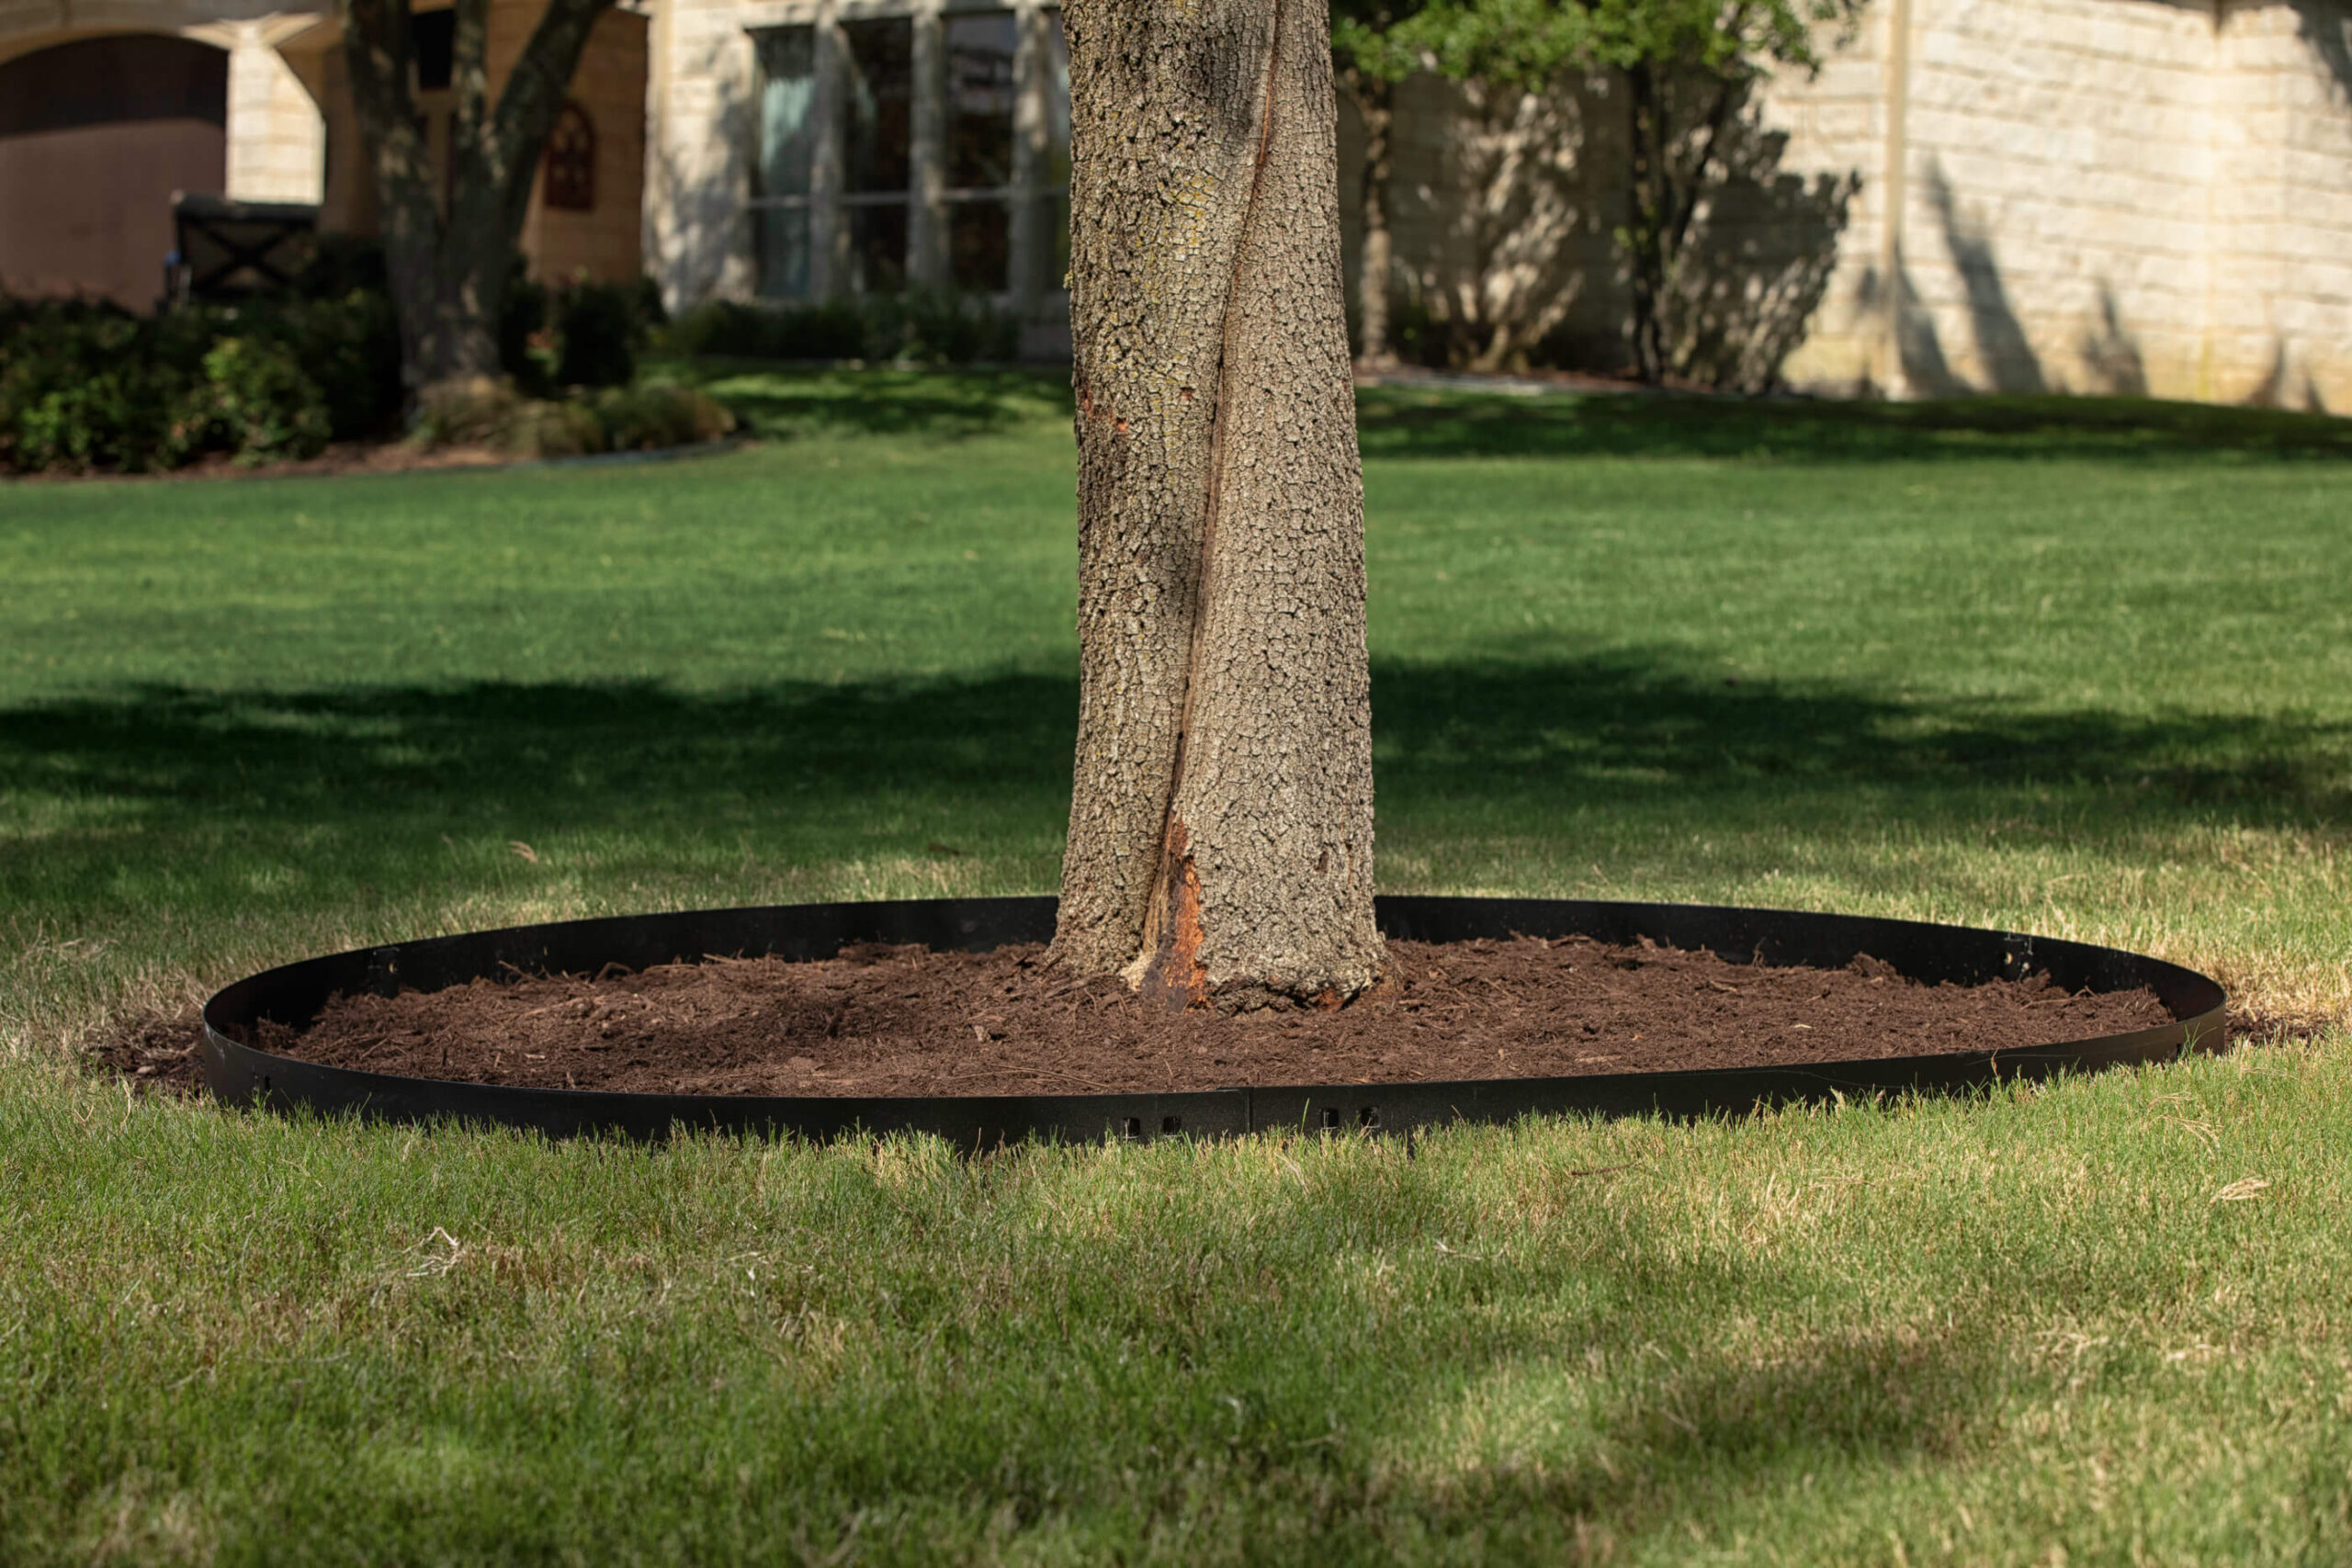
[
  {"x": 819, "y": 772},
  {"x": 1405, "y": 422},
  {"x": 780, "y": 401}
]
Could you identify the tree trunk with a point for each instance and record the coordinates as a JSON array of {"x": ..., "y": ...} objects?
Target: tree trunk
[
  {"x": 1645, "y": 223},
  {"x": 1376, "y": 105},
  {"x": 449, "y": 268},
  {"x": 1220, "y": 837}
]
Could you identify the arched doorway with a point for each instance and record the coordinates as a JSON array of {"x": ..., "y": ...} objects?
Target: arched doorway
[{"x": 95, "y": 136}]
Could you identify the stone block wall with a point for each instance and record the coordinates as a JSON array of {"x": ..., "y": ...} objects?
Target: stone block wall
[
  {"x": 604, "y": 243},
  {"x": 2088, "y": 195},
  {"x": 699, "y": 132},
  {"x": 2103, "y": 196},
  {"x": 276, "y": 135}
]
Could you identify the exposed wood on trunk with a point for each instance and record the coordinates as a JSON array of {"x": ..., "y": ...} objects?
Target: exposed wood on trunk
[{"x": 1220, "y": 842}]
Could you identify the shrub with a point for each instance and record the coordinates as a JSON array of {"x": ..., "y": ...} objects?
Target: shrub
[
  {"x": 911, "y": 328},
  {"x": 926, "y": 328},
  {"x": 86, "y": 385},
  {"x": 492, "y": 413},
  {"x": 660, "y": 413},
  {"x": 598, "y": 328},
  {"x": 478, "y": 412},
  {"x": 545, "y": 429},
  {"x": 522, "y": 327},
  {"x": 256, "y": 401},
  {"x": 83, "y": 387},
  {"x": 350, "y": 345}
]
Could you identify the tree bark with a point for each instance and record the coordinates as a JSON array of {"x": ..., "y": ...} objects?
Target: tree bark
[
  {"x": 1376, "y": 105},
  {"x": 449, "y": 269},
  {"x": 1647, "y": 223},
  {"x": 1220, "y": 838}
]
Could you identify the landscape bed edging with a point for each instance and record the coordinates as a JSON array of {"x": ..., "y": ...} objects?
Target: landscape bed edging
[{"x": 241, "y": 1075}]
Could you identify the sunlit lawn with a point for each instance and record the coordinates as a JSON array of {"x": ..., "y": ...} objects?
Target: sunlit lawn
[{"x": 2083, "y": 668}]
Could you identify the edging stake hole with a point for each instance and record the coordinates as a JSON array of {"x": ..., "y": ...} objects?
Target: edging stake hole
[
  {"x": 1330, "y": 1116},
  {"x": 1171, "y": 1123},
  {"x": 1135, "y": 1126},
  {"x": 1368, "y": 1117}
]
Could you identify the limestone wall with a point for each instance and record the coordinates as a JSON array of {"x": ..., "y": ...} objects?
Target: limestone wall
[
  {"x": 2128, "y": 196},
  {"x": 606, "y": 243},
  {"x": 2125, "y": 195},
  {"x": 2279, "y": 322},
  {"x": 276, "y": 135},
  {"x": 699, "y": 131}
]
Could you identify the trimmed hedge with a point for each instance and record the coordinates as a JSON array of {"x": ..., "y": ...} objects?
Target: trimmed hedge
[{"x": 913, "y": 327}]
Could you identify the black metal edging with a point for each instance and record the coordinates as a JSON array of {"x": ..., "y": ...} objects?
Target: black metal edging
[{"x": 241, "y": 1075}]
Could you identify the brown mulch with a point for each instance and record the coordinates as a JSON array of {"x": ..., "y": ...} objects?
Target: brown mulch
[{"x": 903, "y": 1021}]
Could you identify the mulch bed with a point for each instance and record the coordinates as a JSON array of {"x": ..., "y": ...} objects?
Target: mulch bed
[{"x": 905, "y": 1021}]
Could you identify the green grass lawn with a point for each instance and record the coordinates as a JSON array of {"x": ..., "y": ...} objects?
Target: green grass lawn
[{"x": 2080, "y": 668}]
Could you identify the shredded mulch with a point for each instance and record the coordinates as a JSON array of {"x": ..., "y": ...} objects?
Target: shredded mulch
[{"x": 905, "y": 1021}]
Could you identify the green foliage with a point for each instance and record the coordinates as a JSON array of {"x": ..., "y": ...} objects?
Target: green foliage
[
  {"x": 1529, "y": 43},
  {"x": 349, "y": 344},
  {"x": 599, "y": 328},
  {"x": 650, "y": 415},
  {"x": 522, "y": 329},
  {"x": 254, "y": 400},
  {"x": 1380, "y": 40},
  {"x": 576, "y": 334},
  {"x": 87, "y": 387},
  {"x": 912, "y": 327},
  {"x": 497, "y": 415}
]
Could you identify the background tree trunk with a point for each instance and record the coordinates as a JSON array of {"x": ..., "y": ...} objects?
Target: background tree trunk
[
  {"x": 1376, "y": 105},
  {"x": 1647, "y": 223},
  {"x": 449, "y": 268},
  {"x": 1220, "y": 839}
]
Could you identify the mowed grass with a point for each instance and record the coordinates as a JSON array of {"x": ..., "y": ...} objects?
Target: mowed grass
[{"x": 2079, "y": 668}]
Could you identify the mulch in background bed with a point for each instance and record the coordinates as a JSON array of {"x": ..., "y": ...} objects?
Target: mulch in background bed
[{"x": 907, "y": 1020}]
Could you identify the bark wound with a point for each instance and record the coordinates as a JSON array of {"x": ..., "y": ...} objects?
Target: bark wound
[
  {"x": 1220, "y": 843},
  {"x": 1176, "y": 973},
  {"x": 1175, "y": 970}
]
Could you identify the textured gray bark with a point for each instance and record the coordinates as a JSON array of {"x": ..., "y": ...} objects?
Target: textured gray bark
[
  {"x": 1220, "y": 839},
  {"x": 449, "y": 265}
]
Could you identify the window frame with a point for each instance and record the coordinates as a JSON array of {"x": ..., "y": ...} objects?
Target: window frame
[{"x": 931, "y": 204}]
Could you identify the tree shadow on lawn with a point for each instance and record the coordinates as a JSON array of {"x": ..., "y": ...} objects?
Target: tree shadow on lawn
[
  {"x": 373, "y": 785},
  {"x": 1401, "y": 423},
  {"x": 778, "y": 402}
]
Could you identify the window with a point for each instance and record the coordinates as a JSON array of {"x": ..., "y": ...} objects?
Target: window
[
  {"x": 982, "y": 97},
  {"x": 1053, "y": 203},
  {"x": 434, "y": 35},
  {"x": 877, "y": 143},
  {"x": 784, "y": 163},
  {"x": 928, "y": 150},
  {"x": 570, "y": 176}
]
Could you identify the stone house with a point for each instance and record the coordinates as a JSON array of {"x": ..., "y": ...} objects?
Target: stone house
[
  {"x": 109, "y": 108},
  {"x": 1972, "y": 194}
]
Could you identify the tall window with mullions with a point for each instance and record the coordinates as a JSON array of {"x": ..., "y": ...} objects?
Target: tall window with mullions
[
  {"x": 783, "y": 172},
  {"x": 982, "y": 93},
  {"x": 1052, "y": 180},
  {"x": 878, "y": 144}
]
